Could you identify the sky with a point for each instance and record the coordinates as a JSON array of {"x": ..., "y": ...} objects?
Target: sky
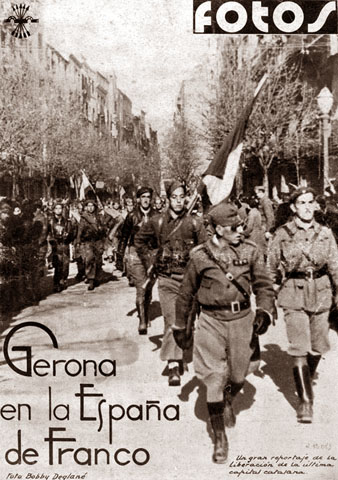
[{"x": 148, "y": 43}]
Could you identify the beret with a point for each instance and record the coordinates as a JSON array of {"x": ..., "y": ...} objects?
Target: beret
[
  {"x": 174, "y": 185},
  {"x": 301, "y": 191},
  {"x": 143, "y": 190}
]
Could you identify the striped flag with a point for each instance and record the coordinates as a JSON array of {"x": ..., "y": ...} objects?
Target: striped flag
[
  {"x": 85, "y": 184},
  {"x": 221, "y": 173}
]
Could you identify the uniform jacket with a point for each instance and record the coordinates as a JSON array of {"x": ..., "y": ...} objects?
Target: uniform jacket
[
  {"x": 131, "y": 225},
  {"x": 172, "y": 249},
  {"x": 294, "y": 249},
  {"x": 90, "y": 229},
  {"x": 254, "y": 230},
  {"x": 206, "y": 279},
  {"x": 59, "y": 230},
  {"x": 266, "y": 210}
]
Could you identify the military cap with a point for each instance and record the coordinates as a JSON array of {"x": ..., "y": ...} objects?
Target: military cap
[
  {"x": 90, "y": 201},
  {"x": 144, "y": 190},
  {"x": 174, "y": 185},
  {"x": 224, "y": 214},
  {"x": 301, "y": 191}
]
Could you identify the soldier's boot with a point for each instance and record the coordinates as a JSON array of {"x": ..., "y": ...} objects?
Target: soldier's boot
[
  {"x": 302, "y": 378},
  {"x": 174, "y": 377},
  {"x": 142, "y": 328},
  {"x": 230, "y": 392},
  {"x": 221, "y": 446},
  {"x": 313, "y": 361},
  {"x": 91, "y": 284}
]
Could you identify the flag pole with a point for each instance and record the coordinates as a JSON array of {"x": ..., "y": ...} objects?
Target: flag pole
[
  {"x": 91, "y": 186},
  {"x": 261, "y": 83}
]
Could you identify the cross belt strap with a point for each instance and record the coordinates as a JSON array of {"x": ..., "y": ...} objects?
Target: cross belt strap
[{"x": 228, "y": 275}]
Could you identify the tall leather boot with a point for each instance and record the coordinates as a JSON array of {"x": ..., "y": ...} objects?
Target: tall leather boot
[
  {"x": 142, "y": 328},
  {"x": 230, "y": 391},
  {"x": 216, "y": 411},
  {"x": 313, "y": 361},
  {"x": 302, "y": 378}
]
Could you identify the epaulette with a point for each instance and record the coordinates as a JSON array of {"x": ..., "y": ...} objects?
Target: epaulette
[{"x": 196, "y": 249}]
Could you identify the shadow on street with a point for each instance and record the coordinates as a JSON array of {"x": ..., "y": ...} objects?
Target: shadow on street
[{"x": 279, "y": 368}]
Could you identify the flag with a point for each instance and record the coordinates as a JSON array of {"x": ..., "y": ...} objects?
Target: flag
[
  {"x": 122, "y": 193},
  {"x": 284, "y": 188},
  {"x": 221, "y": 173},
  {"x": 85, "y": 184}
]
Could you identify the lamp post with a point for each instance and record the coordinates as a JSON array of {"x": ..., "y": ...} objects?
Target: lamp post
[{"x": 325, "y": 101}]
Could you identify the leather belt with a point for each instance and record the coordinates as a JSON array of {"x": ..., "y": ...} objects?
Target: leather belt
[
  {"x": 234, "y": 307},
  {"x": 308, "y": 275}
]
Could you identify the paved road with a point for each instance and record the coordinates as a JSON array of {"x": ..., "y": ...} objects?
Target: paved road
[{"x": 102, "y": 325}]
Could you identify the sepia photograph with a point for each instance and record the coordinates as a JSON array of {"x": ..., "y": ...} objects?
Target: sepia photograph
[{"x": 168, "y": 240}]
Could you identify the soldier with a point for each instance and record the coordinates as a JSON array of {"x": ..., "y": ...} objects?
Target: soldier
[
  {"x": 301, "y": 257},
  {"x": 133, "y": 222},
  {"x": 89, "y": 242},
  {"x": 60, "y": 235},
  {"x": 266, "y": 210},
  {"x": 222, "y": 273},
  {"x": 8, "y": 260},
  {"x": 174, "y": 234}
]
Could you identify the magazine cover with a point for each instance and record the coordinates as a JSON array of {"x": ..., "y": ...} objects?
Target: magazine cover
[{"x": 168, "y": 226}]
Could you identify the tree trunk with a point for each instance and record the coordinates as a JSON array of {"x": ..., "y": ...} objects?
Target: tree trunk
[
  {"x": 266, "y": 179},
  {"x": 15, "y": 186}
]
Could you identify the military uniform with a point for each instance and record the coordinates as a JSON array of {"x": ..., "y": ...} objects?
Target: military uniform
[
  {"x": 90, "y": 240},
  {"x": 173, "y": 237},
  {"x": 222, "y": 273},
  {"x": 136, "y": 268},
  {"x": 303, "y": 260},
  {"x": 60, "y": 235},
  {"x": 224, "y": 329}
]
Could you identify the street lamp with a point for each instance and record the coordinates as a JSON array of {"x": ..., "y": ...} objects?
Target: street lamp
[{"x": 325, "y": 102}]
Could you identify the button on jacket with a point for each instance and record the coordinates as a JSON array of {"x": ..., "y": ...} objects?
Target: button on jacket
[
  {"x": 293, "y": 251},
  {"x": 244, "y": 261}
]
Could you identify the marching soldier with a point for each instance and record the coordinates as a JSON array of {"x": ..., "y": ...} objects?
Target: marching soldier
[
  {"x": 60, "y": 232},
  {"x": 302, "y": 258},
  {"x": 174, "y": 234},
  {"x": 89, "y": 241},
  {"x": 222, "y": 273},
  {"x": 136, "y": 270}
]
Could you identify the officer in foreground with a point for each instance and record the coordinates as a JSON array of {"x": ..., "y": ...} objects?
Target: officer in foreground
[
  {"x": 222, "y": 273},
  {"x": 302, "y": 256}
]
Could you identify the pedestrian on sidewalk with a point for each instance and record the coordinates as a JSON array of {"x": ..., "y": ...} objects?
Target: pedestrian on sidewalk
[
  {"x": 221, "y": 274},
  {"x": 302, "y": 259}
]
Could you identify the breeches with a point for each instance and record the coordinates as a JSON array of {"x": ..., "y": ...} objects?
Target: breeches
[
  {"x": 137, "y": 273},
  {"x": 307, "y": 332},
  {"x": 168, "y": 289},
  {"x": 60, "y": 255},
  {"x": 222, "y": 352},
  {"x": 91, "y": 253}
]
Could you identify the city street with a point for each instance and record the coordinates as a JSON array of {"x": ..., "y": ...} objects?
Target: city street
[{"x": 102, "y": 325}]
